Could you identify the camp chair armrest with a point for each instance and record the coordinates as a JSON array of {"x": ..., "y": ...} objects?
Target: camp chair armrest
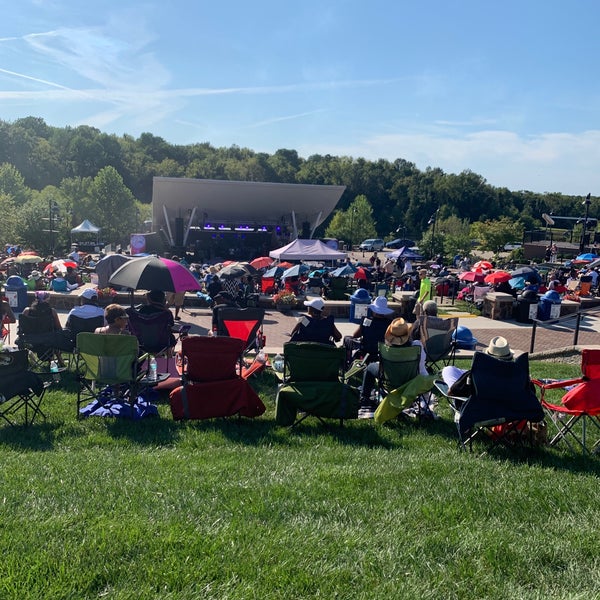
[{"x": 554, "y": 385}]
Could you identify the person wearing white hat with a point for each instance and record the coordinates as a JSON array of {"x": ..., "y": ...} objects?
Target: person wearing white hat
[
  {"x": 316, "y": 327},
  {"x": 88, "y": 307}
]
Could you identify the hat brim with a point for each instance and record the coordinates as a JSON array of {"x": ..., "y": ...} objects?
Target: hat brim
[
  {"x": 381, "y": 311},
  {"x": 395, "y": 340},
  {"x": 507, "y": 356}
]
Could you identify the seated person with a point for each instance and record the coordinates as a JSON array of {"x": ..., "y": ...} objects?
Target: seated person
[
  {"x": 498, "y": 348},
  {"x": 47, "y": 322},
  {"x": 60, "y": 284},
  {"x": 88, "y": 308},
  {"x": 73, "y": 277},
  {"x": 398, "y": 335},
  {"x": 371, "y": 330},
  {"x": 316, "y": 327},
  {"x": 156, "y": 303},
  {"x": 116, "y": 321},
  {"x": 430, "y": 310}
]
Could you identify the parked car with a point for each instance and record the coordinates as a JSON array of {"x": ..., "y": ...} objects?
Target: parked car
[
  {"x": 372, "y": 245},
  {"x": 512, "y": 246},
  {"x": 399, "y": 243}
]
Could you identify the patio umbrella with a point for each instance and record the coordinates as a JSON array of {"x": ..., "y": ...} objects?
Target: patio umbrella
[
  {"x": 483, "y": 264},
  {"x": 473, "y": 276},
  {"x": 28, "y": 259},
  {"x": 260, "y": 262},
  {"x": 295, "y": 271},
  {"x": 497, "y": 277},
  {"x": 285, "y": 264},
  {"x": 528, "y": 273},
  {"x": 154, "y": 273}
]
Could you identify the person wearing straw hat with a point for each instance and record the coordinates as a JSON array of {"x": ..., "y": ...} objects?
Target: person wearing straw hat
[{"x": 397, "y": 334}]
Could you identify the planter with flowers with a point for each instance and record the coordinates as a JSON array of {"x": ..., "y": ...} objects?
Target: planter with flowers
[
  {"x": 106, "y": 295},
  {"x": 284, "y": 301}
]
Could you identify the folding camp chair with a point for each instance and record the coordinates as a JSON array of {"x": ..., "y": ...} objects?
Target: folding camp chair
[
  {"x": 579, "y": 407},
  {"x": 245, "y": 324},
  {"x": 78, "y": 324},
  {"x": 154, "y": 332},
  {"x": 21, "y": 390},
  {"x": 399, "y": 384},
  {"x": 313, "y": 383},
  {"x": 212, "y": 385},
  {"x": 39, "y": 337},
  {"x": 438, "y": 342},
  {"x": 108, "y": 371},
  {"x": 500, "y": 402}
]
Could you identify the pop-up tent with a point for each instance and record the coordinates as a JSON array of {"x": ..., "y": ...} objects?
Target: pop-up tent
[
  {"x": 306, "y": 250},
  {"x": 85, "y": 227}
]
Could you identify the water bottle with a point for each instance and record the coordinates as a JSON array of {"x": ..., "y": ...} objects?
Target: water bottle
[
  {"x": 54, "y": 370},
  {"x": 153, "y": 374},
  {"x": 278, "y": 363},
  {"x": 260, "y": 357}
]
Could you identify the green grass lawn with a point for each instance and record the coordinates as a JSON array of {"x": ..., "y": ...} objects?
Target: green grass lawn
[{"x": 235, "y": 508}]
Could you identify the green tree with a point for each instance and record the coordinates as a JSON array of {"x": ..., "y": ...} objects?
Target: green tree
[
  {"x": 354, "y": 224},
  {"x": 493, "y": 235},
  {"x": 112, "y": 206}
]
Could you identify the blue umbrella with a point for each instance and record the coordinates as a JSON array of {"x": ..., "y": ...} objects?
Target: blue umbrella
[
  {"x": 295, "y": 271},
  {"x": 517, "y": 283},
  {"x": 590, "y": 256},
  {"x": 344, "y": 271},
  {"x": 274, "y": 272}
]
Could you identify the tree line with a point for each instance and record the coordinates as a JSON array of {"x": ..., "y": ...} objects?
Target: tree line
[{"x": 73, "y": 173}]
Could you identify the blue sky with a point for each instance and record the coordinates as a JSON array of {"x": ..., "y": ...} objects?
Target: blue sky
[{"x": 509, "y": 90}]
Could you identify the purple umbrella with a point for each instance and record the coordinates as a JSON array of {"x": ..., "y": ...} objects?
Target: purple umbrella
[{"x": 154, "y": 273}]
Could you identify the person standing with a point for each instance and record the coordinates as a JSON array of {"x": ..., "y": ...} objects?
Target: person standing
[{"x": 425, "y": 292}]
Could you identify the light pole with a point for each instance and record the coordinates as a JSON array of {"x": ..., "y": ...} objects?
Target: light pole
[
  {"x": 587, "y": 203},
  {"x": 432, "y": 221},
  {"x": 52, "y": 217},
  {"x": 353, "y": 209}
]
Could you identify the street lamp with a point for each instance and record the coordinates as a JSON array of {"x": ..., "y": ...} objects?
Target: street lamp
[
  {"x": 52, "y": 216},
  {"x": 353, "y": 209},
  {"x": 432, "y": 221},
  {"x": 587, "y": 203}
]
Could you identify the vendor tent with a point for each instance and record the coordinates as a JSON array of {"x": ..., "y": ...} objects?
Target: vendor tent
[
  {"x": 306, "y": 250},
  {"x": 85, "y": 227}
]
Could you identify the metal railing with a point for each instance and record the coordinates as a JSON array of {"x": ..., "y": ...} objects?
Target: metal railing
[{"x": 578, "y": 316}]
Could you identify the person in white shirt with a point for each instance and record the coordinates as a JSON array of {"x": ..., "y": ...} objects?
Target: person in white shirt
[{"x": 88, "y": 309}]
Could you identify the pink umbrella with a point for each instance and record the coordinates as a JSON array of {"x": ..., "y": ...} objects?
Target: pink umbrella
[{"x": 154, "y": 273}]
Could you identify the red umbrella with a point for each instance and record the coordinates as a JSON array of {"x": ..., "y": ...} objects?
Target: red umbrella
[
  {"x": 472, "y": 276},
  {"x": 285, "y": 265},
  {"x": 60, "y": 265},
  {"x": 361, "y": 274},
  {"x": 261, "y": 262},
  {"x": 497, "y": 277},
  {"x": 483, "y": 264}
]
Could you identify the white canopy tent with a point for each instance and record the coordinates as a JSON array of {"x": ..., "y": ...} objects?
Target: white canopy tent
[
  {"x": 85, "y": 227},
  {"x": 306, "y": 250}
]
